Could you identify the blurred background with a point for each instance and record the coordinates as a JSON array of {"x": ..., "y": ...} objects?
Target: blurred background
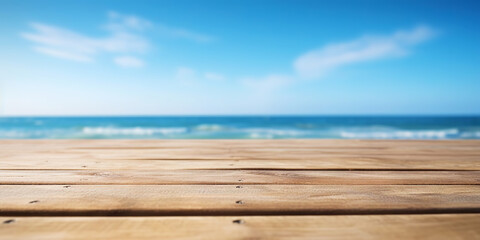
[{"x": 240, "y": 69}]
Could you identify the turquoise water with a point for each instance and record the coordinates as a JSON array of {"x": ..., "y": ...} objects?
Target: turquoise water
[{"x": 240, "y": 127}]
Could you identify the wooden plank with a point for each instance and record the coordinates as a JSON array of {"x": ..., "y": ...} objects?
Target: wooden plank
[
  {"x": 240, "y": 154},
  {"x": 440, "y": 226},
  {"x": 334, "y": 163},
  {"x": 245, "y": 146},
  {"x": 206, "y": 154},
  {"x": 230, "y": 200},
  {"x": 239, "y": 150},
  {"x": 208, "y": 177}
]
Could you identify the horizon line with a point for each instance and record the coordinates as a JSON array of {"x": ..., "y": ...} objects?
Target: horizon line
[{"x": 241, "y": 115}]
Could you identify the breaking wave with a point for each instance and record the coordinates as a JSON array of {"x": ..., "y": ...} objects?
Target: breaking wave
[
  {"x": 270, "y": 133},
  {"x": 401, "y": 134},
  {"x": 240, "y": 128},
  {"x": 211, "y": 127},
  {"x": 136, "y": 131}
]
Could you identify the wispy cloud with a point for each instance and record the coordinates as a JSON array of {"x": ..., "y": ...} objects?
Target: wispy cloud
[
  {"x": 122, "y": 38},
  {"x": 316, "y": 63},
  {"x": 59, "y": 53},
  {"x": 185, "y": 34},
  {"x": 125, "y": 34},
  {"x": 122, "y": 22},
  {"x": 129, "y": 61}
]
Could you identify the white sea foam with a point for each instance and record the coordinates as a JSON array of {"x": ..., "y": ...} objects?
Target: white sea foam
[
  {"x": 30, "y": 133},
  {"x": 471, "y": 134},
  {"x": 136, "y": 131},
  {"x": 209, "y": 130},
  {"x": 401, "y": 134},
  {"x": 14, "y": 134},
  {"x": 273, "y": 132},
  {"x": 210, "y": 127}
]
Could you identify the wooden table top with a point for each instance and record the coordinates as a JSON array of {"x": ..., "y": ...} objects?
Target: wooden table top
[{"x": 239, "y": 189}]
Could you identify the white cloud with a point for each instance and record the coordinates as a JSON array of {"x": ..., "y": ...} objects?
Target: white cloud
[
  {"x": 128, "y": 61},
  {"x": 183, "y": 33},
  {"x": 66, "y": 44},
  {"x": 214, "y": 76},
  {"x": 121, "y": 22},
  {"x": 68, "y": 55},
  {"x": 125, "y": 35},
  {"x": 316, "y": 63}
]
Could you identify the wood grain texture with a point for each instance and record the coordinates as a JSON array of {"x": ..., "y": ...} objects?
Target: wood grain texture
[
  {"x": 435, "y": 227},
  {"x": 229, "y": 177},
  {"x": 224, "y": 189},
  {"x": 356, "y": 163},
  {"x": 240, "y": 154},
  {"x": 230, "y": 200}
]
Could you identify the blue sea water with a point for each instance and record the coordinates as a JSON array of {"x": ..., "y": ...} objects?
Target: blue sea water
[{"x": 260, "y": 127}]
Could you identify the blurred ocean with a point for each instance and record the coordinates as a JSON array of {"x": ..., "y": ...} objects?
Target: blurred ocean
[{"x": 260, "y": 127}]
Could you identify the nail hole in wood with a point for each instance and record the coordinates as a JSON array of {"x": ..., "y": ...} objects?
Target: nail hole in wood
[
  {"x": 239, "y": 187},
  {"x": 8, "y": 221},
  {"x": 239, "y": 202},
  {"x": 238, "y": 221},
  {"x": 66, "y": 186}
]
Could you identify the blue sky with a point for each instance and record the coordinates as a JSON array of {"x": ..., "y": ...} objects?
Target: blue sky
[{"x": 239, "y": 57}]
